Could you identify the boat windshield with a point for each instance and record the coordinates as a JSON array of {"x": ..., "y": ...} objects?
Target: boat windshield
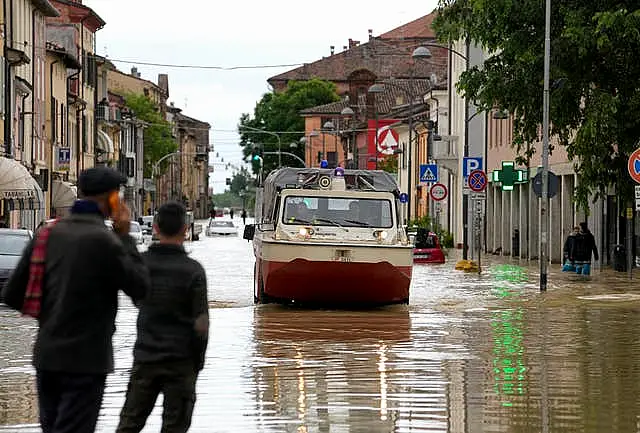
[{"x": 338, "y": 211}]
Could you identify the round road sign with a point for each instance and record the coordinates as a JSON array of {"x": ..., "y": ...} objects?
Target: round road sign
[
  {"x": 477, "y": 181},
  {"x": 438, "y": 192},
  {"x": 634, "y": 165}
]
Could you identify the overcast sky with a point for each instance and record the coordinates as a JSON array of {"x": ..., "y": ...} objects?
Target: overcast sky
[{"x": 235, "y": 33}]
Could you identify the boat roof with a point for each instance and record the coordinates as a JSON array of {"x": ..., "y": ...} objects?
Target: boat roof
[{"x": 308, "y": 178}]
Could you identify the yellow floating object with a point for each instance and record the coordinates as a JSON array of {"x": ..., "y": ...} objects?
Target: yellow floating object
[{"x": 467, "y": 266}]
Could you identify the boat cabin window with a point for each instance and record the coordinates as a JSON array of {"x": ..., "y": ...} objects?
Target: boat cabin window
[{"x": 331, "y": 211}]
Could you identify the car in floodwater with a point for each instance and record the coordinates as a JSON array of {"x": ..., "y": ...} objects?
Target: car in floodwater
[{"x": 221, "y": 228}]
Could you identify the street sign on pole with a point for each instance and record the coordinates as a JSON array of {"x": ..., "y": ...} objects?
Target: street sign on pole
[
  {"x": 477, "y": 180},
  {"x": 428, "y": 173},
  {"x": 553, "y": 184},
  {"x": 634, "y": 165},
  {"x": 438, "y": 192},
  {"x": 470, "y": 164}
]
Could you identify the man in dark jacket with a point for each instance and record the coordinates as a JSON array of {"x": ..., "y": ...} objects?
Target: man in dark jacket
[
  {"x": 568, "y": 264},
  {"x": 583, "y": 247},
  {"x": 173, "y": 326},
  {"x": 84, "y": 265}
]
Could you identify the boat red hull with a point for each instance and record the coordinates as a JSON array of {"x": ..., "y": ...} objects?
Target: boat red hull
[{"x": 306, "y": 281}]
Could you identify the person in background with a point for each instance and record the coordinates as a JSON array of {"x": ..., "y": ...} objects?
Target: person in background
[
  {"x": 68, "y": 279},
  {"x": 568, "y": 264},
  {"x": 231, "y": 213},
  {"x": 244, "y": 216},
  {"x": 583, "y": 247},
  {"x": 173, "y": 328}
]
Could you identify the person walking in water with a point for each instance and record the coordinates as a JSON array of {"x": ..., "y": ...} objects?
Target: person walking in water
[
  {"x": 173, "y": 329},
  {"x": 583, "y": 247},
  {"x": 568, "y": 264}
]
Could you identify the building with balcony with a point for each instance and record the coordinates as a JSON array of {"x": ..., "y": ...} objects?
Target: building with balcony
[
  {"x": 75, "y": 30},
  {"x": 61, "y": 161},
  {"x": 23, "y": 167}
]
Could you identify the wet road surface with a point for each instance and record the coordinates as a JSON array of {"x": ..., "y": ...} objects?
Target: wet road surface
[{"x": 470, "y": 354}]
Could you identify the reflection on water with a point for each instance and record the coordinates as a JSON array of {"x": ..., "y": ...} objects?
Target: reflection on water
[{"x": 471, "y": 354}]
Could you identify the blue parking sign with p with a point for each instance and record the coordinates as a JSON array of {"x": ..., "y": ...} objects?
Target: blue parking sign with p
[
  {"x": 428, "y": 173},
  {"x": 469, "y": 164}
]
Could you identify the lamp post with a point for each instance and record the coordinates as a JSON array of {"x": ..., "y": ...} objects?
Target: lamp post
[
  {"x": 544, "y": 203},
  {"x": 328, "y": 126},
  {"x": 465, "y": 198},
  {"x": 419, "y": 53},
  {"x": 250, "y": 128},
  {"x": 304, "y": 141},
  {"x": 349, "y": 113}
]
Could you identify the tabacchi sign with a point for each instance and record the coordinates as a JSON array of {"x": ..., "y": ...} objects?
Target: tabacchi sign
[{"x": 17, "y": 194}]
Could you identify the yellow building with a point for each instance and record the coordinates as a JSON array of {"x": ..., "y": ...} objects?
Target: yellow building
[{"x": 61, "y": 159}]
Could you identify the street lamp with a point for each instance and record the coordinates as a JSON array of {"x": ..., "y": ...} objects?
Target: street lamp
[{"x": 348, "y": 112}]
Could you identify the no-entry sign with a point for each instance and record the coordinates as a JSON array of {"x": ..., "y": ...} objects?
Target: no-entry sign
[{"x": 438, "y": 192}]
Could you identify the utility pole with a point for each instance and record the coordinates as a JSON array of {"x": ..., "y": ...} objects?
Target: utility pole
[{"x": 544, "y": 203}]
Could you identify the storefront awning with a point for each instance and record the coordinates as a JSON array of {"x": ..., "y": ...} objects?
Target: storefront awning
[
  {"x": 63, "y": 194},
  {"x": 104, "y": 142},
  {"x": 18, "y": 187}
]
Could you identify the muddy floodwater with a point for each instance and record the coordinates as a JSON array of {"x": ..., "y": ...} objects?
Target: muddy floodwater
[{"x": 471, "y": 353}]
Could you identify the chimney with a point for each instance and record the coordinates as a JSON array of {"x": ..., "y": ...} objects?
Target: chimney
[
  {"x": 353, "y": 43},
  {"x": 333, "y": 49},
  {"x": 163, "y": 83},
  {"x": 134, "y": 71},
  {"x": 370, "y": 34},
  {"x": 344, "y": 48}
]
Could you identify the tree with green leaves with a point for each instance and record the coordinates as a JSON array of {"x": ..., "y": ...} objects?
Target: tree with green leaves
[
  {"x": 158, "y": 140},
  {"x": 595, "y": 96},
  {"x": 280, "y": 113}
]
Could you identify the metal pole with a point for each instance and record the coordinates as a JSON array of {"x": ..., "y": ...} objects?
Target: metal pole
[
  {"x": 375, "y": 152},
  {"x": 544, "y": 203},
  {"x": 279, "y": 151},
  {"x": 409, "y": 158},
  {"x": 630, "y": 256}
]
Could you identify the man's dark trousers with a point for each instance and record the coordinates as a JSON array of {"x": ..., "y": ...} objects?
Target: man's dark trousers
[
  {"x": 175, "y": 380},
  {"x": 69, "y": 403}
]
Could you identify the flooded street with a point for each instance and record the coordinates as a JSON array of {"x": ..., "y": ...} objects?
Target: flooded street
[{"x": 471, "y": 353}]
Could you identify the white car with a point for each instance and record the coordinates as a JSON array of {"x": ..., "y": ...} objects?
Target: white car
[
  {"x": 221, "y": 228},
  {"x": 135, "y": 231}
]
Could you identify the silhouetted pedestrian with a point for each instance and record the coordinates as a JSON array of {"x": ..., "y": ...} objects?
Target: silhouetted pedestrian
[
  {"x": 231, "y": 213},
  {"x": 583, "y": 247},
  {"x": 244, "y": 216}
]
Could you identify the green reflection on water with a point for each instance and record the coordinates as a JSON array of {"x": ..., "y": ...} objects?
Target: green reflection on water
[{"x": 509, "y": 367}]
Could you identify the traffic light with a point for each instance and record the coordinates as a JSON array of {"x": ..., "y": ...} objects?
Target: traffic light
[
  {"x": 256, "y": 157},
  {"x": 509, "y": 176}
]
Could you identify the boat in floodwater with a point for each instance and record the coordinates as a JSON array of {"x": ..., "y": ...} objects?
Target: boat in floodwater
[{"x": 330, "y": 236}]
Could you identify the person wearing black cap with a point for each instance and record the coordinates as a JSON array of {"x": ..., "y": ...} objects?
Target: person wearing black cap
[{"x": 68, "y": 278}]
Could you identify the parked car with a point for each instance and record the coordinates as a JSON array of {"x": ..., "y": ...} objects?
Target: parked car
[
  {"x": 427, "y": 247},
  {"x": 135, "y": 231},
  {"x": 221, "y": 228},
  {"x": 12, "y": 244}
]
